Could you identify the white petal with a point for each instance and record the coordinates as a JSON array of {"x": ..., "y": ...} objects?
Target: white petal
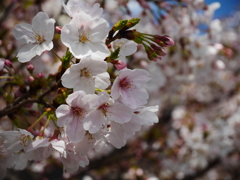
[
  {"x": 119, "y": 113},
  {"x": 75, "y": 130},
  {"x": 27, "y": 52},
  {"x": 93, "y": 121},
  {"x": 24, "y": 33}
]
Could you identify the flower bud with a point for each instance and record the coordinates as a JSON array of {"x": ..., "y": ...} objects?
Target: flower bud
[
  {"x": 40, "y": 75},
  {"x": 31, "y": 79},
  {"x": 58, "y": 29},
  {"x": 132, "y": 22},
  {"x": 120, "y": 65},
  {"x": 30, "y": 68},
  {"x": 8, "y": 63},
  {"x": 119, "y": 25},
  {"x": 163, "y": 40}
]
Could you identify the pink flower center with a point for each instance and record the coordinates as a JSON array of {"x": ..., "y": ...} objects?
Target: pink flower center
[
  {"x": 23, "y": 140},
  {"x": 77, "y": 111},
  {"x": 126, "y": 84},
  {"x": 104, "y": 109}
]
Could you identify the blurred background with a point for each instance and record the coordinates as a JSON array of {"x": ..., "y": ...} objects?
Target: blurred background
[{"x": 196, "y": 85}]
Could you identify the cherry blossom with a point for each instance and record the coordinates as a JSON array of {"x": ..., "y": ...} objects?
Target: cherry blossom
[
  {"x": 85, "y": 36},
  {"x": 75, "y": 6},
  {"x": 128, "y": 87},
  {"x": 36, "y": 38},
  {"x": 87, "y": 75},
  {"x": 15, "y": 141},
  {"x": 72, "y": 115},
  {"x": 126, "y": 46},
  {"x": 106, "y": 110}
]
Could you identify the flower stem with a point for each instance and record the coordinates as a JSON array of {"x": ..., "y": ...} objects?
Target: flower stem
[{"x": 56, "y": 54}]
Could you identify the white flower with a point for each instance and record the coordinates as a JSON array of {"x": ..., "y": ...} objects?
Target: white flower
[
  {"x": 72, "y": 115},
  {"x": 75, "y": 6},
  {"x": 146, "y": 115},
  {"x": 36, "y": 38},
  {"x": 85, "y": 36},
  {"x": 106, "y": 110},
  {"x": 128, "y": 87},
  {"x": 15, "y": 141},
  {"x": 126, "y": 46},
  {"x": 86, "y": 75}
]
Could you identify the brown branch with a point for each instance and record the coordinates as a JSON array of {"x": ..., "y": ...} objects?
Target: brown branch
[{"x": 24, "y": 100}]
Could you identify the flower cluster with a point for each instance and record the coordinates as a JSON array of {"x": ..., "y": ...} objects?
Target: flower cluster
[{"x": 95, "y": 111}]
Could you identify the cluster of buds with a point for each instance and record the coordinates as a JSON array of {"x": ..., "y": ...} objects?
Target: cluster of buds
[{"x": 153, "y": 44}]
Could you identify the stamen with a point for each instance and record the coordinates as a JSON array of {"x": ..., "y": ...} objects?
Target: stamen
[
  {"x": 84, "y": 37},
  {"x": 85, "y": 73},
  {"x": 77, "y": 111}
]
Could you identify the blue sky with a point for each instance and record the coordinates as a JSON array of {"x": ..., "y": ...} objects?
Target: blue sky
[{"x": 227, "y": 6}]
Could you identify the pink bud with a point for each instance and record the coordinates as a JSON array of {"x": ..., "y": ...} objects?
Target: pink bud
[
  {"x": 120, "y": 65},
  {"x": 40, "y": 75},
  {"x": 58, "y": 29},
  {"x": 30, "y": 68},
  {"x": 30, "y": 79},
  {"x": 8, "y": 63}
]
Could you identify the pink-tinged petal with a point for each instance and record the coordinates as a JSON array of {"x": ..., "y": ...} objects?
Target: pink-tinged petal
[
  {"x": 64, "y": 115},
  {"x": 73, "y": 98},
  {"x": 93, "y": 121},
  {"x": 86, "y": 85},
  {"x": 134, "y": 98},
  {"x": 139, "y": 76},
  {"x": 102, "y": 81},
  {"x": 117, "y": 143},
  {"x": 84, "y": 146},
  {"x": 128, "y": 98},
  {"x": 117, "y": 130},
  {"x": 69, "y": 78},
  {"x": 24, "y": 33},
  {"x": 83, "y": 162},
  {"x": 38, "y": 143},
  {"x": 59, "y": 145},
  {"x": 63, "y": 110},
  {"x": 75, "y": 130},
  {"x": 119, "y": 113},
  {"x": 147, "y": 116},
  {"x": 133, "y": 125},
  {"x": 27, "y": 52},
  {"x": 115, "y": 89}
]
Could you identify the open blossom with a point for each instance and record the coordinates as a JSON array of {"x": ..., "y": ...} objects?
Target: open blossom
[
  {"x": 36, "y": 38},
  {"x": 75, "y": 6},
  {"x": 128, "y": 87},
  {"x": 126, "y": 46},
  {"x": 87, "y": 75},
  {"x": 85, "y": 36},
  {"x": 106, "y": 110},
  {"x": 72, "y": 115},
  {"x": 15, "y": 141}
]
